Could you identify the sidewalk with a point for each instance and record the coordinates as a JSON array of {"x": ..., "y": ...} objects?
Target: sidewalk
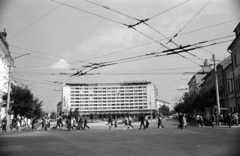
[{"x": 210, "y": 126}]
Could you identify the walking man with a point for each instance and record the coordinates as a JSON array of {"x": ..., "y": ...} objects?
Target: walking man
[
  {"x": 160, "y": 124},
  {"x": 180, "y": 119},
  {"x": 110, "y": 122},
  {"x": 85, "y": 123},
  {"x": 141, "y": 118},
  {"x": 125, "y": 123},
  {"x": 147, "y": 123},
  {"x": 79, "y": 121},
  {"x": 33, "y": 123},
  {"x": 4, "y": 125},
  {"x": 229, "y": 120},
  {"x": 130, "y": 122}
]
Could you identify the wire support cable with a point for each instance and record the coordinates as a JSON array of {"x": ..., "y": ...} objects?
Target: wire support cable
[
  {"x": 189, "y": 22},
  {"x": 90, "y": 13},
  {"x": 36, "y": 21}
]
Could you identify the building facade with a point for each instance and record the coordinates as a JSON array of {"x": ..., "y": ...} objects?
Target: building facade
[
  {"x": 59, "y": 109},
  {"x": 234, "y": 49},
  {"x": 5, "y": 60},
  {"x": 103, "y": 99},
  {"x": 197, "y": 80},
  {"x": 160, "y": 103},
  {"x": 224, "y": 76}
]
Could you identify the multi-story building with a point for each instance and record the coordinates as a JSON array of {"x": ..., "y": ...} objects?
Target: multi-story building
[
  {"x": 223, "y": 75},
  {"x": 59, "y": 108},
  {"x": 229, "y": 89},
  {"x": 5, "y": 60},
  {"x": 234, "y": 49},
  {"x": 160, "y": 103},
  {"x": 99, "y": 100},
  {"x": 197, "y": 80}
]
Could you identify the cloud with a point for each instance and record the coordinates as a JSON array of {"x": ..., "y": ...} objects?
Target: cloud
[
  {"x": 61, "y": 64},
  {"x": 106, "y": 40}
]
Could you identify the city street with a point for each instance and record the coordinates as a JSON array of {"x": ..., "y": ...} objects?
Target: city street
[{"x": 97, "y": 140}]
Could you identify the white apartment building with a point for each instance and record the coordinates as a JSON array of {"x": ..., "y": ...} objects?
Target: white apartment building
[{"x": 100, "y": 100}]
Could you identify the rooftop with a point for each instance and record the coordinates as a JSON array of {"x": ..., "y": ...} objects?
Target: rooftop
[{"x": 105, "y": 84}]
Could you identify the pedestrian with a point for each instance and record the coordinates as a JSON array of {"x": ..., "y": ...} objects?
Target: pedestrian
[
  {"x": 125, "y": 123},
  {"x": 229, "y": 120},
  {"x": 79, "y": 122},
  {"x": 72, "y": 122},
  {"x": 85, "y": 123},
  {"x": 43, "y": 123},
  {"x": 110, "y": 124},
  {"x": 180, "y": 119},
  {"x": 130, "y": 122},
  {"x": 13, "y": 124},
  {"x": 213, "y": 120},
  {"x": 4, "y": 124},
  {"x": 201, "y": 121},
  {"x": 47, "y": 123},
  {"x": 18, "y": 124},
  {"x": 115, "y": 122},
  {"x": 235, "y": 119},
  {"x": 221, "y": 122},
  {"x": 68, "y": 122},
  {"x": 160, "y": 124},
  {"x": 147, "y": 123},
  {"x": 184, "y": 121},
  {"x": 224, "y": 119},
  {"x": 198, "y": 120},
  {"x": 28, "y": 124},
  {"x": 141, "y": 118},
  {"x": 33, "y": 123}
]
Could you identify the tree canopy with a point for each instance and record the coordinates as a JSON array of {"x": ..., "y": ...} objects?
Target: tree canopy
[
  {"x": 25, "y": 104},
  {"x": 196, "y": 101}
]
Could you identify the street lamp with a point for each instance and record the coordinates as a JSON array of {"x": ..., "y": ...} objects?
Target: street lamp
[{"x": 9, "y": 82}]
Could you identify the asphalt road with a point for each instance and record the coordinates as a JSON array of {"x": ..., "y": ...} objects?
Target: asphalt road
[{"x": 100, "y": 141}]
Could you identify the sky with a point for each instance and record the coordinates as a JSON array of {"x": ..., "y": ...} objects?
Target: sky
[{"x": 65, "y": 38}]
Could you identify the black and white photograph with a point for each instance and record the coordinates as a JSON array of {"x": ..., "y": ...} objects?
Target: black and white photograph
[{"x": 119, "y": 77}]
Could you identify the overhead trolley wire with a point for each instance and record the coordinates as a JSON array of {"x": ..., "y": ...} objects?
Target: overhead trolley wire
[
  {"x": 26, "y": 49},
  {"x": 189, "y": 22},
  {"x": 90, "y": 13},
  {"x": 185, "y": 33},
  {"x": 106, "y": 7},
  {"x": 141, "y": 21},
  {"x": 37, "y": 21},
  {"x": 168, "y": 9}
]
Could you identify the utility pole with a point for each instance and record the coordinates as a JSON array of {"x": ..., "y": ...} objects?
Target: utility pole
[
  {"x": 216, "y": 84},
  {"x": 9, "y": 84}
]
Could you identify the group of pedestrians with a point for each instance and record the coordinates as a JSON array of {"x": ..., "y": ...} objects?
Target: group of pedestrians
[
  {"x": 79, "y": 124},
  {"x": 225, "y": 119},
  {"x": 128, "y": 123},
  {"x": 112, "y": 123},
  {"x": 182, "y": 121}
]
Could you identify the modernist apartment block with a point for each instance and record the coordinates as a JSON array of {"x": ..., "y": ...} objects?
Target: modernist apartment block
[{"x": 103, "y": 99}]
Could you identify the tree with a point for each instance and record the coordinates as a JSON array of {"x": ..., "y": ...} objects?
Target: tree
[
  {"x": 164, "y": 110},
  {"x": 196, "y": 101},
  {"x": 25, "y": 104},
  {"x": 53, "y": 115}
]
